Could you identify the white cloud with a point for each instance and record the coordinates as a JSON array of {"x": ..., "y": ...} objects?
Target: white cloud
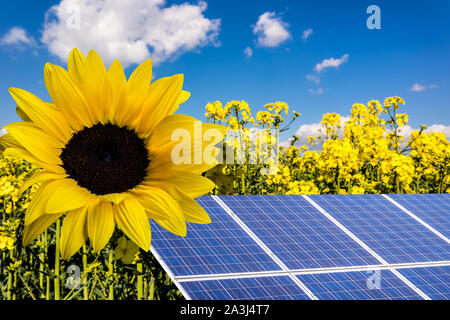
[
  {"x": 306, "y": 33},
  {"x": 17, "y": 36},
  {"x": 318, "y": 91},
  {"x": 271, "y": 30},
  {"x": 313, "y": 78},
  {"x": 3, "y": 132},
  {"x": 313, "y": 129},
  {"x": 248, "y": 52},
  {"x": 439, "y": 128},
  {"x": 130, "y": 31},
  {"x": 407, "y": 130},
  {"x": 417, "y": 87},
  {"x": 331, "y": 62}
]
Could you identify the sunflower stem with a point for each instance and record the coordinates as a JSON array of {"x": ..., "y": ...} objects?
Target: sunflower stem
[
  {"x": 57, "y": 262},
  {"x": 8, "y": 295},
  {"x": 110, "y": 273},
  {"x": 139, "y": 280},
  {"x": 85, "y": 265},
  {"x": 41, "y": 265},
  {"x": 47, "y": 278},
  {"x": 152, "y": 288}
]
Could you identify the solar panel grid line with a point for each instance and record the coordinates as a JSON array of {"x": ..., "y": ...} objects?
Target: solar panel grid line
[
  {"x": 345, "y": 230},
  {"x": 434, "y": 209},
  {"x": 412, "y": 215},
  {"x": 310, "y": 271},
  {"x": 299, "y": 235},
  {"x": 371, "y": 267},
  {"x": 219, "y": 247},
  {"x": 264, "y": 247},
  {"x": 224, "y": 276},
  {"x": 385, "y": 228},
  {"x": 435, "y": 281},
  {"x": 169, "y": 272},
  {"x": 410, "y": 284},
  {"x": 357, "y": 285},
  {"x": 365, "y": 246}
]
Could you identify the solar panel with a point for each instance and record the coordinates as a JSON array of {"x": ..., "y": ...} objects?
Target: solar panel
[
  {"x": 359, "y": 285},
  {"x": 434, "y": 209},
  {"x": 434, "y": 281},
  {"x": 261, "y": 288},
  {"x": 310, "y": 247},
  {"x": 385, "y": 228},
  {"x": 298, "y": 234},
  {"x": 215, "y": 248}
]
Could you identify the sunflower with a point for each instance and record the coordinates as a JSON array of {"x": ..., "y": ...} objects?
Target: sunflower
[{"x": 103, "y": 147}]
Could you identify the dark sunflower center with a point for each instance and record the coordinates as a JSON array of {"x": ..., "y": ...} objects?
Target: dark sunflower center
[{"x": 106, "y": 159}]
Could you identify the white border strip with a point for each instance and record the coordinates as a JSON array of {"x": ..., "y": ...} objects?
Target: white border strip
[
  {"x": 265, "y": 248},
  {"x": 169, "y": 272},
  {"x": 367, "y": 248},
  {"x": 259, "y": 274},
  {"x": 412, "y": 215}
]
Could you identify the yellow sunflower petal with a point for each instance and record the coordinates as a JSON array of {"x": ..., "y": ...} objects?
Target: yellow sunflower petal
[
  {"x": 67, "y": 97},
  {"x": 116, "y": 197},
  {"x": 43, "y": 146},
  {"x": 161, "y": 159},
  {"x": 133, "y": 97},
  {"x": 22, "y": 115},
  {"x": 76, "y": 66},
  {"x": 21, "y": 153},
  {"x": 163, "y": 208},
  {"x": 73, "y": 232},
  {"x": 48, "y": 119},
  {"x": 66, "y": 195},
  {"x": 163, "y": 132},
  {"x": 184, "y": 96},
  {"x": 36, "y": 209},
  {"x": 7, "y": 141},
  {"x": 100, "y": 224},
  {"x": 161, "y": 102},
  {"x": 31, "y": 231},
  {"x": 192, "y": 211},
  {"x": 97, "y": 88},
  {"x": 194, "y": 185},
  {"x": 132, "y": 220},
  {"x": 37, "y": 177},
  {"x": 118, "y": 82}
]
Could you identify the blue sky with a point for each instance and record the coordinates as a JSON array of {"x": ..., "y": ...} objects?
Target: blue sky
[{"x": 407, "y": 57}]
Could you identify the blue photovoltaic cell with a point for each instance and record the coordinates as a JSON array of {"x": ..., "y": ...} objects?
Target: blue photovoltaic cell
[
  {"x": 358, "y": 285},
  {"x": 219, "y": 247},
  {"x": 433, "y": 209},
  {"x": 261, "y": 288},
  {"x": 297, "y": 233},
  {"x": 433, "y": 281},
  {"x": 385, "y": 228}
]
